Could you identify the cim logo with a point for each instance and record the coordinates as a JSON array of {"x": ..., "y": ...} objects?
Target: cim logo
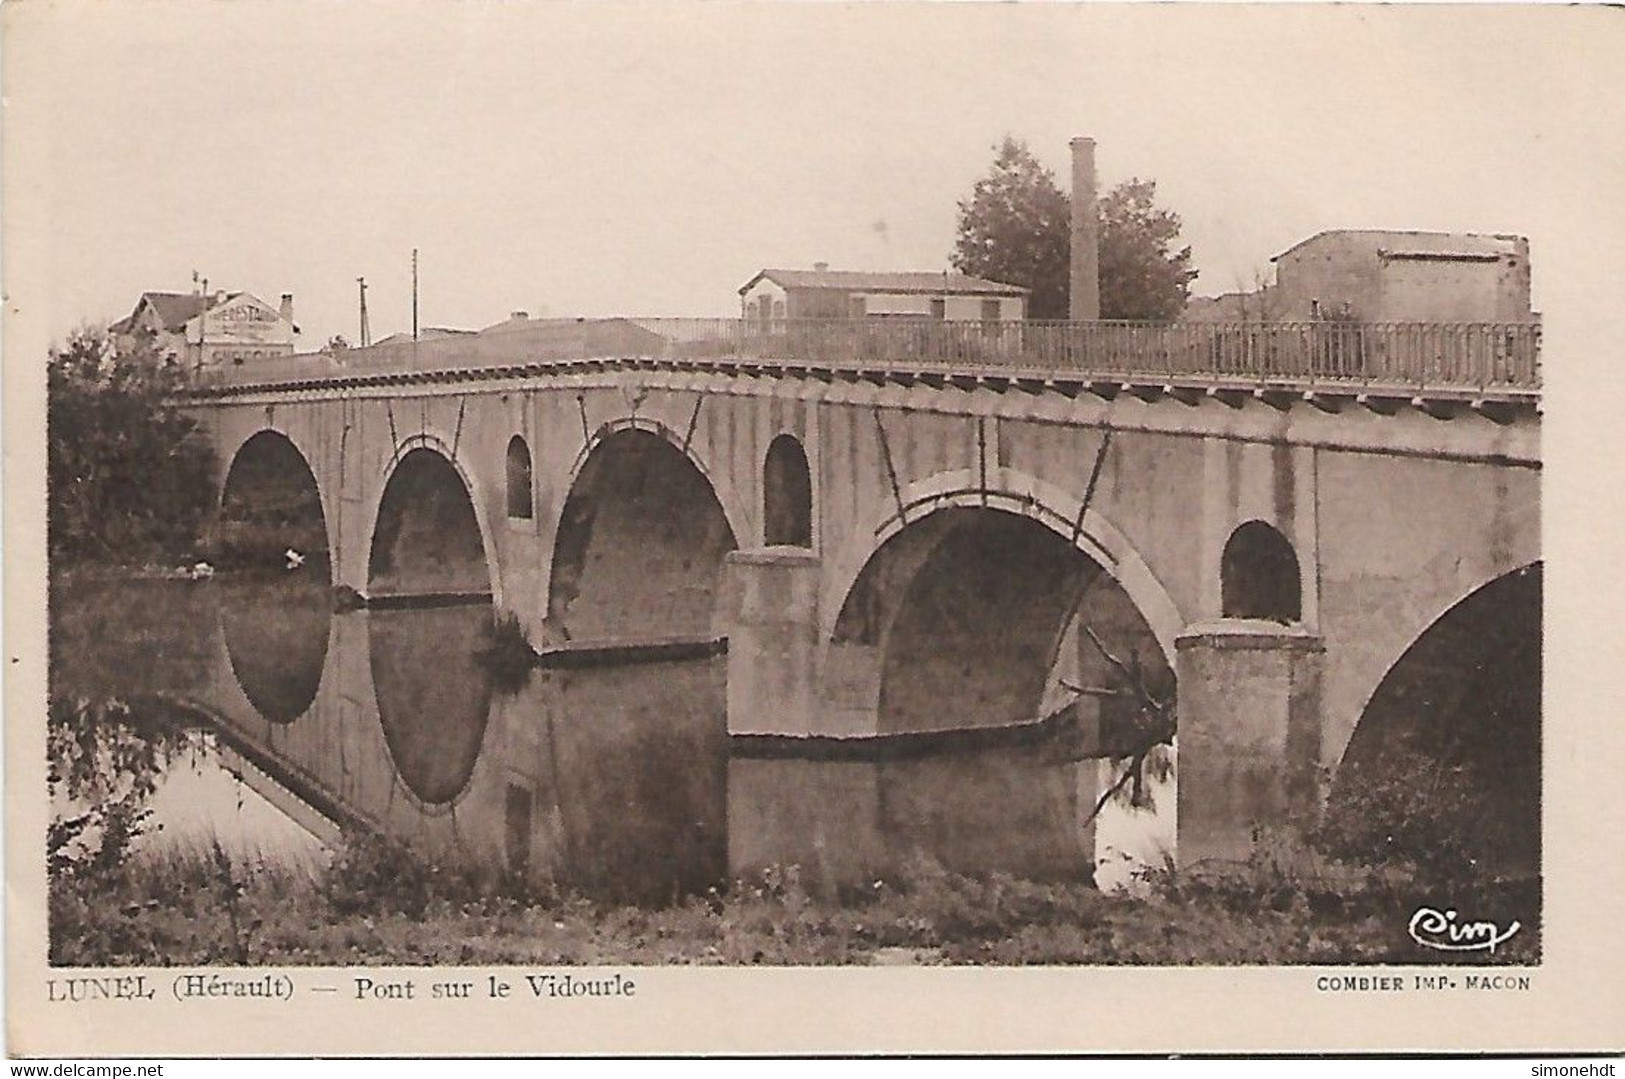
[{"x": 1445, "y": 932}]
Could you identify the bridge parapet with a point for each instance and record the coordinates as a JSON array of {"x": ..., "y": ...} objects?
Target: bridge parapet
[{"x": 1497, "y": 360}]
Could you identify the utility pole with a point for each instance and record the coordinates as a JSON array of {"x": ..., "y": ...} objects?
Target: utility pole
[
  {"x": 366, "y": 335},
  {"x": 202, "y": 320},
  {"x": 414, "y": 294}
]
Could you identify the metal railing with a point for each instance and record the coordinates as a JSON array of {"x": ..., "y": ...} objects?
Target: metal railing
[{"x": 1421, "y": 355}]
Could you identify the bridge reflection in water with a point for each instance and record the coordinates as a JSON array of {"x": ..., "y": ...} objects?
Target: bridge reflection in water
[{"x": 617, "y": 783}]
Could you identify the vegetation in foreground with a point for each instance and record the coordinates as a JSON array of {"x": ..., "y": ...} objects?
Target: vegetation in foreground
[{"x": 376, "y": 903}]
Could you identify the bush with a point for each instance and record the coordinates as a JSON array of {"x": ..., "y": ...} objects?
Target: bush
[
  {"x": 375, "y": 874},
  {"x": 1410, "y": 810},
  {"x": 506, "y": 654}
]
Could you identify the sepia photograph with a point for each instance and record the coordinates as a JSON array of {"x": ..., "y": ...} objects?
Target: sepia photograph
[{"x": 557, "y": 495}]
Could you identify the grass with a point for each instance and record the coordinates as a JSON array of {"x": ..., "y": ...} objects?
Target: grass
[{"x": 377, "y": 904}]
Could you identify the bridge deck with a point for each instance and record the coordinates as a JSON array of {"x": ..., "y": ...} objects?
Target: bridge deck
[{"x": 1453, "y": 361}]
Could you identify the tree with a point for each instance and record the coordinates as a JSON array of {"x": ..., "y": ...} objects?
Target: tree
[
  {"x": 1142, "y": 273},
  {"x": 1016, "y": 227},
  {"x": 126, "y": 477}
]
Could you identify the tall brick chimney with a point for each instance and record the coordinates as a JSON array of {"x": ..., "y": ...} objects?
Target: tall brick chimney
[
  {"x": 286, "y": 310},
  {"x": 1085, "y": 298}
]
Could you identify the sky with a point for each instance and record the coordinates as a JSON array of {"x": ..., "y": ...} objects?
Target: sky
[{"x": 574, "y": 159}]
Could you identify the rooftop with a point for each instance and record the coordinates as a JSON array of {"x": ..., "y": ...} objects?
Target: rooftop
[
  {"x": 174, "y": 309},
  {"x": 936, "y": 284},
  {"x": 1407, "y": 243},
  {"x": 521, "y": 323}
]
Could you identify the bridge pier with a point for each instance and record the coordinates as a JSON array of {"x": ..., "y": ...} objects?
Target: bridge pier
[
  {"x": 769, "y": 611},
  {"x": 1249, "y": 735}
]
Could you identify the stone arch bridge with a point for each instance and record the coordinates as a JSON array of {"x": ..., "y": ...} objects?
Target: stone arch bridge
[{"x": 912, "y": 527}]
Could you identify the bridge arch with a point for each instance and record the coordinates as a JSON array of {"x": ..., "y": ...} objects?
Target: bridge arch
[
  {"x": 969, "y": 612},
  {"x": 428, "y": 531},
  {"x": 1446, "y": 749},
  {"x": 726, "y": 494},
  {"x": 1026, "y": 495},
  {"x": 520, "y": 498},
  {"x": 787, "y": 495},
  {"x": 1259, "y": 575},
  {"x": 641, "y": 539},
  {"x": 275, "y": 630},
  {"x": 270, "y": 501}
]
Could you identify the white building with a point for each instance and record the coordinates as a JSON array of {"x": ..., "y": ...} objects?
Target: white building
[
  {"x": 206, "y": 330},
  {"x": 825, "y": 293}
]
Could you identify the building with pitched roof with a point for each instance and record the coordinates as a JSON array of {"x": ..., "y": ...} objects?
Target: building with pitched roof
[
  {"x": 825, "y": 293},
  {"x": 208, "y": 329}
]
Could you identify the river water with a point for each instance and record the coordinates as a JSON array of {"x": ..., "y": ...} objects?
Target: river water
[{"x": 286, "y": 722}]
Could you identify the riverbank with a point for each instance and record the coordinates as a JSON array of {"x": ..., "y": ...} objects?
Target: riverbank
[{"x": 373, "y": 906}]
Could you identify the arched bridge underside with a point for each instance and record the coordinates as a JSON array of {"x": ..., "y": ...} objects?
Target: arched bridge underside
[{"x": 891, "y": 556}]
